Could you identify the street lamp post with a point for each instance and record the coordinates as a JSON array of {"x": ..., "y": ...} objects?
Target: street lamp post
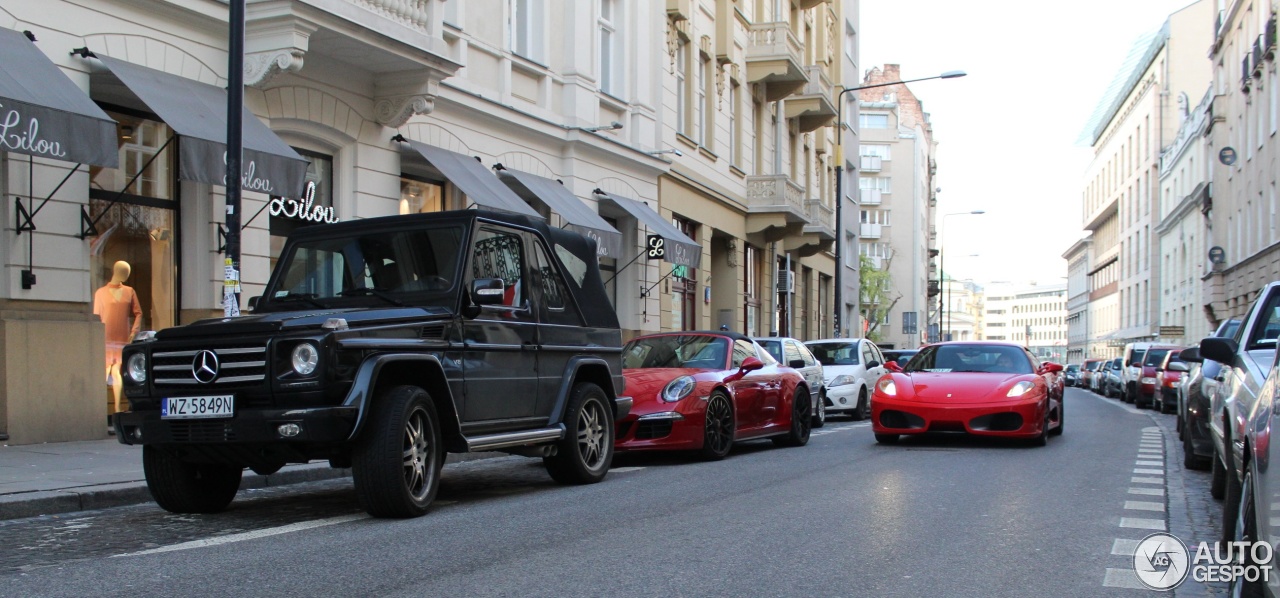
[
  {"x": 942, "y": 290},
  {"x": 839, "y": 300}
]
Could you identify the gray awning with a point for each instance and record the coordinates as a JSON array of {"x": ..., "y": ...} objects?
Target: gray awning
[
  {"x": 558, "y": 199},
  {"x": 43, "y": 113},
  {"x": 197, "y": 112},
  {"x": 469, "y": 175},
  {"x": 680, "y": 249}
]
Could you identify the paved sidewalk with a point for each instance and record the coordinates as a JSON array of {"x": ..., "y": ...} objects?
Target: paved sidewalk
[{"x": 64, "y": 477}]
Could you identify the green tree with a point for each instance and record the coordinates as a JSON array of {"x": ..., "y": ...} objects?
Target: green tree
[{"x": 876, "y": 286}]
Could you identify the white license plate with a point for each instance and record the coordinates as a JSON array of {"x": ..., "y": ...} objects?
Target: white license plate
[{"x": 197, "y": 407}]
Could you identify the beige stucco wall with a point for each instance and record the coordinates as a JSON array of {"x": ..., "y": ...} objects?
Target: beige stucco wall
[{"x": 52, "y": 360}]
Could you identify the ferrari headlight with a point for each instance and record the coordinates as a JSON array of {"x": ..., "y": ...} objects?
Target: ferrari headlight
[
  {"x": 678, "y": 389},
  {"x": 842, "y": 380},
  {"x": 136, "y": 367},
  {"x": 887, "y": 387},
  {"x": 304, "y": 359},
  {"x": 1019, "y": 389}
]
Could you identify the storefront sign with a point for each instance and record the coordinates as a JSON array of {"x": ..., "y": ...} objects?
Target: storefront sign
[
  {"x": 303, "y": 209},
  {"x": 14, "y": 137},
  {"x": 249, "y": 179},
  {"x": 657, "y": 247}
]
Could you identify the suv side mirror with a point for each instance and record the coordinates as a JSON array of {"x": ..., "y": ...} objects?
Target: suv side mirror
[
  {"x": 1191, "y": 354},
  {"x": 487, "y": 291},
  {"x": 253, "y": 303},
  {"x": 1177, "y": 366},
  {"x": 1221, "y": 350}
]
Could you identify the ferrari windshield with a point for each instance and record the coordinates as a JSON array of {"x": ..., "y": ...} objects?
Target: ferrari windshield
[
  {"x": 677, "y": 351},
  {"x": 975, "y": 358},
  {"x": 835, "y": 353},
  {"x": 382, "y": 267}
]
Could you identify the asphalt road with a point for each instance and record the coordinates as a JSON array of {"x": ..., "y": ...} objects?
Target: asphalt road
[{"x": 843, "y": 516}]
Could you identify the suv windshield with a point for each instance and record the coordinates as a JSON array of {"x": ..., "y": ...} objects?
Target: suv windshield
[
  {"x": 835, "y": 353},
  {"x": 676, "y": 351},
  {"x": 377, "y": 267},
  {"x": 1154, "y": 357},
  {"x": 970, "y": 358}
]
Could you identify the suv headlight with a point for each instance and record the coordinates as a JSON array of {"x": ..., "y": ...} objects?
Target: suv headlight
[
  {"x": 304, "y": 359},
  {"x": 136, "y": 367},
  {"x": 678, "y": 389}
]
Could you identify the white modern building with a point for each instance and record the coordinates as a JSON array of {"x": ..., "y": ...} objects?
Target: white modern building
[{"x": 1034, "y": 316}]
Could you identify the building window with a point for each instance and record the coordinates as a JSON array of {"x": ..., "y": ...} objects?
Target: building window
[
  {"x": 684, "y": 284},
  {"x": 701, "y": 78},
  {"x": 735, "y": 125},
  {"x": 757, "y": 114},
  {"x": 609, "y": 47},
  {"x": 419, "y": 196},
  {"x": 753, "y": 299},
  {"x": 883, "y": 184},
  {"x": 873, "y": 121},
  {"x": 850, "y": 42},
  {"x": 526, "y": 28},
  {"x": 879, "y": 150},
  {"x": 682, "y": 86}
]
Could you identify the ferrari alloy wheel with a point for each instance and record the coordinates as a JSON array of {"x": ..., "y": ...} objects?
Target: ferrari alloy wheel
[
  {"x": 396, "y": 464},
  {"x": 799, "y": 434},
  {"x": 584, "y": 455},
  {"x": 717, "y": 435},
  {"x": 859, "y": 412}
]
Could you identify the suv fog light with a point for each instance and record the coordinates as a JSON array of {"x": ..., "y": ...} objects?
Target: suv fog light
[
  {"x": 137, "y": 433},
  {"x": 289, "y": 430}
]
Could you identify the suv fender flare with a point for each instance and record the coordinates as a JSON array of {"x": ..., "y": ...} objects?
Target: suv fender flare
[
  {"x": 570, "y": 376},
  {"x": 366, "y": 380}
]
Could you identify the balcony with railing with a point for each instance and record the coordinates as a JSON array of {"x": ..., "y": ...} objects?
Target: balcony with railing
[
  {"x": 869, "y": 230},
  {"x": 398, "y": 41},
  {"x": 775, "y": 206},
  {"x": 870, "y": 163},
  {"x": 819, "y": 234},
  {"x": 812, "y": 106},
  {"x": 869, "y": 197},
  {"x": 774, "y": 59}
]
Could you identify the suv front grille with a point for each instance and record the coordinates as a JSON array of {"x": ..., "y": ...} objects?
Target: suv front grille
[
  {"x": 237, "y": 367},
  {"x": 202, "y": 432}
]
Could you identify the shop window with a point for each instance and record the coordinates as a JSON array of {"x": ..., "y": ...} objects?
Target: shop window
[
  {"x": 314, "y": 207},
  {"x": 684, "y": 285},
  {"x": 419, "y": 196}
]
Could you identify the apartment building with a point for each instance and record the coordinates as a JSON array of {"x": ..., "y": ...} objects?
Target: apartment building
[
  {"x": 897, "y": 156},
  {"x": 357, "y": 109},
  {"x": 1243, "y": 152},
  {"x": 1077, "y": 257},
  {"x": 1034, "y": 316},
  {"x": 1134, "y": 121},
  {"x": 1181, "y": 228},
  {"x": 964, "y": 315}
]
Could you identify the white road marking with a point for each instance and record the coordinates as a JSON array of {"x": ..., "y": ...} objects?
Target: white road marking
[
  {"x": 624, "y": 469},
  {"x": 1155, "y": 463},
  {"x": 1147, "y": 481},
  {"x": 1150, "y": 450},
  {"x": 1122, "y": 578},
  {"x": 1124, "y": 547},
  {"x": 253, "y": 535},
  {"x": 1138, "y": 523},
  {"x": 1149, "y": 471},
  {"x": 1147, "y": 491},
  {"x": 1138, "y": 505}
]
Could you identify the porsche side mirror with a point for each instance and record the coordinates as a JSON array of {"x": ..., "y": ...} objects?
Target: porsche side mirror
[
  {"x": 1221, "y": 350},
  {"x": 1191, "y": 354},
  {"x": 892, "y": 366},
  {"x": 752, "y": 364}
]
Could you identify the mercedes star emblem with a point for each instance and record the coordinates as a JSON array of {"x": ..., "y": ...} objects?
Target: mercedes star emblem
[{"x": 205, "y": 366}]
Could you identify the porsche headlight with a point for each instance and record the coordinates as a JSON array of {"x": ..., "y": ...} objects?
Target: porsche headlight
[
  {"x": 842, "y": 380},
  {"x": 678, "y": 389},
  {"x": 136, "y": 367},
  {"x": 886, "y": 387},
  {"x": 1019, "y": 389},
  {"x": 304, "y": 359}
]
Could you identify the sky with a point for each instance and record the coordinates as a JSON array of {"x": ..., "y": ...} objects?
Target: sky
[{"x": 1007, "y": 132}]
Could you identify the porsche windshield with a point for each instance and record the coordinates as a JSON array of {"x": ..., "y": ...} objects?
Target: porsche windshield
[
  {"x": 383, "y": 267},
  {"x": 970, "y": 358},
  {"x": 676, "y": 351}
]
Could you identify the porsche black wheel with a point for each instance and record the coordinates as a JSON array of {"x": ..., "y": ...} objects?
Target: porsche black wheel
[
  {"x": 717, "y": 434},
  {"x": 800, "y": 430}
]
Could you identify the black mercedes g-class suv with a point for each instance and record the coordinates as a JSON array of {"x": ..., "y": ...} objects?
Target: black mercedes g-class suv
[{"x": 380, "y": 345}]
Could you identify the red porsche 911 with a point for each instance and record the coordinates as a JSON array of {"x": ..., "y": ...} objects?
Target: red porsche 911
[
  {"x": 704, "y": 391},
  {"x": 982, "y": 388}
]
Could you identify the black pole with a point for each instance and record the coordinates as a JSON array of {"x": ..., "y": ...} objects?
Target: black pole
[{"x": 235, "y": 147}]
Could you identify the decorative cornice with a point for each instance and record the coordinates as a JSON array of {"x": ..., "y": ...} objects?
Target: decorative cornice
[
  {"x": 260, "y": 67},
  {"x": 394, "y": 112}
]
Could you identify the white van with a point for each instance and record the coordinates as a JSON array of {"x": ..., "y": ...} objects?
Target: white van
[{"x": 1132, "y": 371}]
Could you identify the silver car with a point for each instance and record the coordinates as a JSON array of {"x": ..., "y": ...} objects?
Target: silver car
[{"x": 791, "y": 352}]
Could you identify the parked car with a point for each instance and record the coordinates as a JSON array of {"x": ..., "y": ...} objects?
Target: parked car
[
  {"x": 1168, "y": 378},
  {"x": 978, "y": 387},
  {"x": 1111, "y": 377},
  {"x": 1149, "y": 362},
  {"x": 899, "y": 356},
  {"x": 368, "y": 336},
  {"x": 1246, "y": 360},
  {"x": 1086, "y": 372},
  {"x": 1258, "y": 520},
  {"x": 704, "y": 391},
  {"x": 793, "y": 353},
  {"x": 1131, "y": 375},
  {"x": 1196, "y": 411},
  {"x": 1072, "y": 374},
  {"x": 1097, "y": 381},
  {"x": 851, "y": 367}
]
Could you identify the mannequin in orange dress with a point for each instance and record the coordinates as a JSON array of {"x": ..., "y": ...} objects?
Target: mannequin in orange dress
[{"x": 114, "y": 303}]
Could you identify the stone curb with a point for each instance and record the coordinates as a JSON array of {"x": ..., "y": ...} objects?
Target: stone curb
[{"x": 104, "y": 496}]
